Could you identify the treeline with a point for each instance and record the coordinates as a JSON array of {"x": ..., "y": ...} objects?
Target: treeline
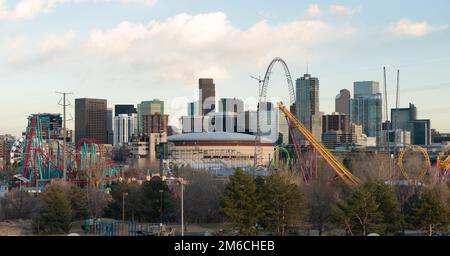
[{"x": 281, "y": 204}]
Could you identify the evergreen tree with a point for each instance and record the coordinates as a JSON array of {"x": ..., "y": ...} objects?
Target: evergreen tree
[
  {"x": 284, "y": 204},
  {"x": 359, "y": 215},
  {"x": 388, "y": 205},
  {"x": 55, "y": 213},
  {"x": 78, "y": 203},
  {"x": 427, "y": 212},
  {"x": 240, "y": 203},
  {"x": 156, "y": 201}
]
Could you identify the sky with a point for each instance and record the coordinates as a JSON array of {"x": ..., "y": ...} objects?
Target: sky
[{"x": 127, "y": 51}]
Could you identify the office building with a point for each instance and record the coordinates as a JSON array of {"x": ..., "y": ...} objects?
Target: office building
[
  {"x": 192, "y": 108},
  {"x": 155, "y": 123},
  {"x": 146, "y": 108},
  {"x": 231, "y": 112},
  {"x": 109, "y": 125},
  {"x": 207, "y": 96},
  {"x": 90, "y": 120},
  {"x": 342, "y": 102},
  {"x": 145, "y": 146},
  {"x": 336, "y": 122},
  {"x": 125, "y": 126},
  {"x": 307, "y": 104},
  {"x": 420, "y": 131},
  {"x": 366, "y": 108},
  {"x": 406, "y": 119},
  {"x": 438, "y": 137},
  {"x": 126, "y": 109}
]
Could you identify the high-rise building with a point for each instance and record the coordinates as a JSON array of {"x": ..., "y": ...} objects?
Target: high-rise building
[
  {"x": 342, "y": 102},
  {"x": 155, "y": 123},
  {"x": 127, "y": 109},
  {"x": 207, "y": 99},
  {"x": 400, "y": 117},
  {"x": 90, "y": 120},
  {"x": 307, "y": 104},
  {"x": 405, "y": 119},
  {"x": 51, "y": 125},
  {"x": 420, "y": 131},
  {"x": 148, "y": 108},
  {"x": 109, "y": 125},
  {"x": 231, "y": 105},
  {"x": 231, "y": 112},
  {"x": 192, "y": 108},
  {"x": 125, "y": 126},
  {"x": 336, "y": 122},
  {"x": 366, "y": 108}
]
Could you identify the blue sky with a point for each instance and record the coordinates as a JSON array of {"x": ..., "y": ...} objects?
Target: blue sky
[{"x": 127, "y": 51}]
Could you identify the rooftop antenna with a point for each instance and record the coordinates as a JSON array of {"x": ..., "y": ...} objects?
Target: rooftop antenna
[{"x": 64, "y": 103}]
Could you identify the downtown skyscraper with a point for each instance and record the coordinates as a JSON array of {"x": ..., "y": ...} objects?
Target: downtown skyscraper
[
  {"x": 91, "y": 120},
  {"x": 366, "y": 108},
  {"x": 307, "y": 104}
]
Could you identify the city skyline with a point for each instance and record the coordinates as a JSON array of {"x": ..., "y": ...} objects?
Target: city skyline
[{"x": 110, "y": 57}]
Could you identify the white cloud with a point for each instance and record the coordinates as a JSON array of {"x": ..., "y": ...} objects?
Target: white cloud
[
  {"x": 57, "y": 42},
  {"x": 26, "y": 9},
  {"x": 341, "y": 10},
  {"x": 313, "y": 11},
  {"x": 180, "y": 48},
  {"x": 185, "y": 46},
  {"x": 408, "y": 28}
]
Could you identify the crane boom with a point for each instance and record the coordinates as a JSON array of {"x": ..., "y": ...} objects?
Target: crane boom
[{"x": 334, "y": 163}]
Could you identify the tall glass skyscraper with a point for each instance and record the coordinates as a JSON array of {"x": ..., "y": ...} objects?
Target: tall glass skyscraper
[
  {"x": 307, "y": 104},
  {"x": 366, "y": 107}
]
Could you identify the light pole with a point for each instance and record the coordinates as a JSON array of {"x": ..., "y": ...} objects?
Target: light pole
[
  {"x": 123, "y": 212},
  {"x": 182, "y": 205}
]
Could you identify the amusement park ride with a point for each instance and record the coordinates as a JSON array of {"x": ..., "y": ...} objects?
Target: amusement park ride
[
  {"x": 306, "y": 156},
  {"x": 40, "y": 161}
]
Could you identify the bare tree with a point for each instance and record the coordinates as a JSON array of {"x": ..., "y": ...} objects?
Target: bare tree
[{"x": 17, "y": 204}]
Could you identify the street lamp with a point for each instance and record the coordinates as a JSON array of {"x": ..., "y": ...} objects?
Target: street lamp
[
  {"x": 181, "y": 181},
  {"x": 123, "y": 212}
]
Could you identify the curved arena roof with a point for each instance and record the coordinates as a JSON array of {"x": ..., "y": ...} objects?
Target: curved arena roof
[{"x": 215, "y": 136}]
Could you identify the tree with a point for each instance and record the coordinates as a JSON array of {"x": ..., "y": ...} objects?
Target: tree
[
  {"x": 388, "y": 205},
  {"x": 284, "y": 204},
  {"x": 55, "y": 213},
  {"x": 96, "y": 201},
  {"x": 359, "y": 215},
  {"x": 321, "y": 197},
  {"x": 240, "y": 204},
  {"x": 202, "y": 192},
  {"x": 78, "y": 203},
  {"x": 17, "y": 204},
  {"x": 427, "y": 212},
  {"x": 114, "y": 209},
  {"x": 157, "y": 202}
]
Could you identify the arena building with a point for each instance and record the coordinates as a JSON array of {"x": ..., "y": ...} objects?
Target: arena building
[{"x": 217, "y": 150}]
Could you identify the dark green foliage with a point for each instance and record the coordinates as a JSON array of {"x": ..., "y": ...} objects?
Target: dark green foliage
[
  {"x": 360, "y": 214},
  {"x": 143, "y": 202},
  {"x": 388, "y": 205},
  {"x": 78, "y": 203},
  {"x": 426, "y": 211},
  {"x": 240, "y": 204},
  {"x": 284, "y": 204},
  {"x": 55, "y": 213}
]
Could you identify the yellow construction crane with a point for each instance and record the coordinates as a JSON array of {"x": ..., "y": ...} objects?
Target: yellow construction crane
[{"x": 334, "y": 163}]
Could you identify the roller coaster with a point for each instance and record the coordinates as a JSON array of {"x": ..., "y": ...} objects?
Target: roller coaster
[
  {"x": 308, "y": 165},
  {"x": 40, "y": 160}
]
